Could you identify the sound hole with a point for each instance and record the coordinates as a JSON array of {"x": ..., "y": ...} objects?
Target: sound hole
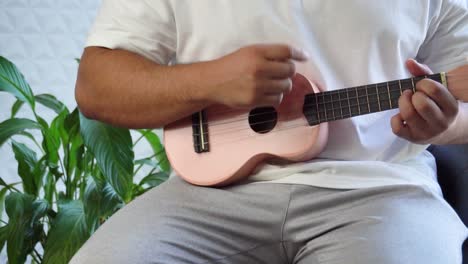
[{"x": 263, "y": 120}]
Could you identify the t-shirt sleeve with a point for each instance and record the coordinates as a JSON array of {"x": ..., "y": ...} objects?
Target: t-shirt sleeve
[
  {"x": 446, "y": 44},
  {"x": 142, "y": 26}
]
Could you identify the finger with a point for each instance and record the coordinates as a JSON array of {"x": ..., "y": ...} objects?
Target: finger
[
  {"x": 417, "y": 125},
  {"x": 439, "y": 95},
  {"x": 275, "y": 87},
  {"x": 280, "y": 70},
  {"x": 417, "y": 69},
  {"x": 283, "y": 52},
  {"x": 430, "y": 112},
  {"x": 399, "y": 128}
]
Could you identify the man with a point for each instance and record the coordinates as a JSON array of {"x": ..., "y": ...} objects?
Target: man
[{"x": 370, "y": 197}]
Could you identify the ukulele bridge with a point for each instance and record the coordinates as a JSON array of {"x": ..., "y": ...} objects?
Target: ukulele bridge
[{"x": 200, "y": 132}]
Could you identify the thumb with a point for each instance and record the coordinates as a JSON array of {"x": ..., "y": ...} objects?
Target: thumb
[{"x": 417, "y": 69}]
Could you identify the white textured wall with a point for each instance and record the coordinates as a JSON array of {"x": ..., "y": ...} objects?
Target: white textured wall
[{"x": 43, "y": 38}]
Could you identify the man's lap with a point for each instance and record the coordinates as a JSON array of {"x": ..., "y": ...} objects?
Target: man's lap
[{"x": 278, "y": 223}]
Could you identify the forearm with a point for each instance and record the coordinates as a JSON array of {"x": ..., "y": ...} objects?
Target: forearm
[
  {"x": 458, "y": 131},
  {"x": 127, "y": 90}
]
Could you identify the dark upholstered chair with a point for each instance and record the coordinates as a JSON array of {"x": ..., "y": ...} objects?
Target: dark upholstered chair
[{"x": 452, "y": 166}]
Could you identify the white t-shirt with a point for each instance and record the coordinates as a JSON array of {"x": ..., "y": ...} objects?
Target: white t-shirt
[{"x": 351, "y": 43}]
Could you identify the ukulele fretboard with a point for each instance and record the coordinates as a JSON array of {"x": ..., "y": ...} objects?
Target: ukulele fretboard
[{"x": 360, "y": 100}]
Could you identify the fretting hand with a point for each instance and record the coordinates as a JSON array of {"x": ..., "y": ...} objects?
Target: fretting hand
[{"x": 426, "y": 114}]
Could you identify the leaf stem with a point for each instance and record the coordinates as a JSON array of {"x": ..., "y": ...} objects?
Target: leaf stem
[
  {"x": 38, "y": 255},
  {"x": 12, "y": 188},
  {"x": 138, "y": 169},
  {"x": 141, "y": 137}
]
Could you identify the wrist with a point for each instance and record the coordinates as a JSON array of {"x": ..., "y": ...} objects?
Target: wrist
[
  {"x": 456, "y": 133},
  {"x": 211, "y": 78}
]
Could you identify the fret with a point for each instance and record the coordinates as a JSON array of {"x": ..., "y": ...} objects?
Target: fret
[
  {"x": 395, "y": 93},
  {"x": 322, "y": 113},
  {"x": 384, "y": 99},
  {"x": 346, "y": 108},
  {"x": 354, "y": 105},
  {"x": 401, "y": 90},
  {"x": 341, "y": 105},
  {"x": 368, "y": 102},
  {"x": 330, "y": 113},
  {"x": 349, "y": 103},
  {"x": 414, "y": 86},
  {"x": 336, "y": 105},
  {"x": 317, "y": 107},
  {"x": 363, "y": 100},
  {"x": 358, "y": 104},
  {"x": 389, "y": 97},
  {"x": 373, "y": 105},
  {"x": 332, "y": 106},
  {"x": 408, "y": 85},
  {"x": 378, "y": 98}
]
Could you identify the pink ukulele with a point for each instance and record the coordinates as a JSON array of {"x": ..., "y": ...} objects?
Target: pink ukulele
[{"x": 221, "y": 145}]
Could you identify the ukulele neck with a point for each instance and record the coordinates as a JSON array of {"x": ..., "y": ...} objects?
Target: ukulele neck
[{"x": 360, "y": 100}]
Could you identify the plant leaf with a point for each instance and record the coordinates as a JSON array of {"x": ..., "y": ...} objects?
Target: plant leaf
[
  {"x": 24, "y": 227},
  {"x": 51, "y": 144},
  {"x": 15, "y": 126},
  {"x": 158, "y": 149},
  {"x": 51, "y": 102},
  {"x": 112, "y": 148},
  {"x": 67, "y": 234},
  {"x": 2, "y": 182},
  {"x": 75, "y": 150},
  {"x": 49, "y": 187},
  {"x": 3, "y": 236},
  {"x": 147, "y": 161},
  {"x": 13, "y": 82},
  {"x": 154, "y": 179},
  {"x": 27, "y": 161},
  {"x": 16, "y": 107},
  {"x": 99, "y": 202},
  {"x": 3, "y": 192}
]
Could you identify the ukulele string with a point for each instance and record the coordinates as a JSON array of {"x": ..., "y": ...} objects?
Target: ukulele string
[
  {"x": 292, "y": 125},
  {"x": 302, "y": 121},
  {"x": 330, "y": 94},
  {"x": 235, "y": 140},
  {"x": 333, "y": 110},
  {"x": 299, "y": 123},
  {"x": 334, "y": 92},
  {"x": 213, "y": 124}
]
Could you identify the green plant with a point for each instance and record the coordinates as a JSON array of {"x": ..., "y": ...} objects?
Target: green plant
[{"x": 75, "y": 173}]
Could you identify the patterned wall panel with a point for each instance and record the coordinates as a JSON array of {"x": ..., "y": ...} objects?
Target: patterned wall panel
[{"x": 43, "y": 38}]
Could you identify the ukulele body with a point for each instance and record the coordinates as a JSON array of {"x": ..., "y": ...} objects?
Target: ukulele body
[{"x": 234, "y": 146}]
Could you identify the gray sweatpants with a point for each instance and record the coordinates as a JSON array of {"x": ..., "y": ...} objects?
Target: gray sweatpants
[{"x": 279, "y": 223}]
